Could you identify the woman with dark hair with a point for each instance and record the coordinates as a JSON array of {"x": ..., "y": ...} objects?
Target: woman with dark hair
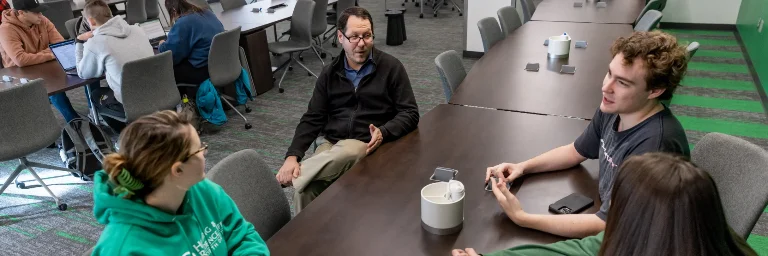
[
  {"x": 660, "y": 205},
  {"x": 190, "y": 40}
]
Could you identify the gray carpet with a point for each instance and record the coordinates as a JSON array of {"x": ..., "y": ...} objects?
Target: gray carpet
[{"x": 30, "y": 224}]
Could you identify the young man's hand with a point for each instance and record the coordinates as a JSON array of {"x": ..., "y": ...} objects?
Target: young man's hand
[
  {"x": 506, "y": 172},
  {"x": 376, "y": 139},
  {"x": 291, "y": 169},
  {"x": 85, "y": 36}
]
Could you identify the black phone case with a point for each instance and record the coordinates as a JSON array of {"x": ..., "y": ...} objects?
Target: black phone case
[{"x": 574, "y": 203}]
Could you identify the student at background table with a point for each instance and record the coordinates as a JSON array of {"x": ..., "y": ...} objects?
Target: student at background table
[
  {"x": 190, "y": 40},
  {"x": 25, "y": 35},
  {"x": 646, "y": 68},
  {"x": 661, "y": 205},
  {"x": 154, "y": 199}
]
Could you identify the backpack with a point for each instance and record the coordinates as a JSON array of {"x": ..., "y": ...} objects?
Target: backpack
[{"x": 83, "y": 147}]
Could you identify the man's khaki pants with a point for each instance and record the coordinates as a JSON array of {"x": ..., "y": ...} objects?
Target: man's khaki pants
[{"x": 326, "y": 165}]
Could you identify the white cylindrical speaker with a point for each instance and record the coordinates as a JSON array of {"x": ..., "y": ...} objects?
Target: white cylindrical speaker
[{"x": 442, "y": 207}]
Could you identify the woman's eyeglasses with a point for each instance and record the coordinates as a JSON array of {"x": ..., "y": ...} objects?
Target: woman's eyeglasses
[{"x": 203, "y": 149}]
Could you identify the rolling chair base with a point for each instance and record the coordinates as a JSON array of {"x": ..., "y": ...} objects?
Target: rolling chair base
[
  {"x": 287, "y": 66},
  {"x": 25, "y": 164}
]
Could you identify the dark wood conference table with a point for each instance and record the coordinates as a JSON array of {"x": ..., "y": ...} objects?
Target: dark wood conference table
[
  {"x": 615, "y": 12},
  {"x": 499, "y": 79},
  {"x": 53, "y": 76},
  {"x": 374, "y": 209}
]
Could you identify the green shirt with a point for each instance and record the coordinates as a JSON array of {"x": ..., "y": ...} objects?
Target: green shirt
[{"x": 574, "y": 247}]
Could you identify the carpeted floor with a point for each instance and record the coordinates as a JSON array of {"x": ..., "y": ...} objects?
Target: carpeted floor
[{"x": 719, "y": 96}]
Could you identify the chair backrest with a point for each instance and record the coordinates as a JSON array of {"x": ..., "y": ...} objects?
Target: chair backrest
[
  {"x": 319, "y": 18},
  {"x": 451, "y": 71},
  {"x": 135, "y": 11},
  {"x": 740, "y": 170},
  {"x": 231, "y": 4},
  {"x": 691, "y": 49},
  {"x": 342, "y": 5},
  {"x": 252, "y": 185},
  {"x": 152, "y": 8},
  {"x": 28, "y": 121},
  {"x": 652, "y": 5},
  {"x": 224, "y": 58},
  {"x": 71, "y": 26},
  {"x": 148, "y": 85},
  {"x": 301, "y": 22},
  {"x": 649, "y": 21},
  {"x": 528, "y": 9},
  {"x": 59, "y": 13},
  {"x": 509, "y": 19},
  {"x": 490, "y": 32},
  {"x": 663, "y": 4}
]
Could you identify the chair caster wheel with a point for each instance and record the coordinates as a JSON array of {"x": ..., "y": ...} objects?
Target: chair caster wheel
[
  {"x": 21, "y": 185},
  {"x": 434, "y": 15},
  {"x": 421, "y": 16},
  {"x": 334, "y": 45},
  {"x": 62, "y": 207},
  {"x": 453, "y": 9},
  {"x": 248, "y": 126},
  {"x": 248, "y": 110},
  {"x": 403, "y": 4},
  {"x": 301, "y": 58},
  {"x": 309, "y": 74},
  {"x": 461, "y": 14},
  {"x": 417, "y": 4},
  {"x": 280, "y": 90},
  {"x": 290, "y": 68},
  {"x": 323, "y": 55}
]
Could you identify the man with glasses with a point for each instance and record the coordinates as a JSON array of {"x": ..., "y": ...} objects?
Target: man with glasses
[{"x": 361, "y": 100}]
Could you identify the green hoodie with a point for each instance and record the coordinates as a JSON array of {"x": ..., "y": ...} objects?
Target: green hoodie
[
  {"x": 209, "y": 224},
  {"x": 588, "y": 246}
]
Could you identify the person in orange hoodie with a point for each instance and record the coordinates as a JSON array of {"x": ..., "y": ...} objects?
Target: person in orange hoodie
[{"x": 24, "y": 36}]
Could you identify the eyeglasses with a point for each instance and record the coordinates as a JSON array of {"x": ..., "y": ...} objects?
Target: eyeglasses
[
  {"x": 203, "y": 149},
  {"x": 356, "y": 39}
]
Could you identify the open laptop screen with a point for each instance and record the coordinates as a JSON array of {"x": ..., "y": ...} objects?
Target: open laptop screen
[
  {"x": 65, "y": 54},
  {"x": 153, "y": 29}
]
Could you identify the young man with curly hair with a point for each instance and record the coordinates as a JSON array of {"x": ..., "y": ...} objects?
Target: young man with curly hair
[{"x": 646, "y": 68}]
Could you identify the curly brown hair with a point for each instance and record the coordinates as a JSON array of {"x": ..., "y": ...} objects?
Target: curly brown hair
[{"x": 664, "y": 60}]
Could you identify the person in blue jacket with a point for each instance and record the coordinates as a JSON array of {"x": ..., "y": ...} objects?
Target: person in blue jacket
[{"x": 190, "y": 40}]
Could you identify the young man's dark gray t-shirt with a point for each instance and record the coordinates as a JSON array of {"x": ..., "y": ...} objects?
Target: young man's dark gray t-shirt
[{"x": 601, "y": 139}]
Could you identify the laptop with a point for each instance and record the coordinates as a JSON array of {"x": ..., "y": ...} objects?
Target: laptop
[
  {"x": 65, "y": 55},
  {"x": 155, "y": 32},
  {"x": 274, "y": 4}
]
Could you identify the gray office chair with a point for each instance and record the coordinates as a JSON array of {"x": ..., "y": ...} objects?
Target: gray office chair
[
  {"x": 225, "y": 67},
  {"x": 333, "y": 18},
  {"x": 232, "y": 4},
  {"x": 59, "y": 13},
  {"x": 509, "y": 19},
  {"x": 145, "y": 94},
  {"x": 319, "y": 24},
  {"x": 451, "y": 71},
  {"x": 251, "y": 184},
  {"x": 89, "y": 252},
  {"x": 740, "y": 170},
  {"x": 652, "y": 5},
  {"x": 490, "y": 32},
  {"x": 28, "y": 126},
  {"x": 300, "y": 40},
  {"x": 649, "y": 21},
  {"x": 528, "y": 8},
  {"x": 135, "y": 11},
  {"x": 71, "y": 26},
  {"x": 438, "y": 3},
  {"x": 152, "y": 8},
  {"x": 691, "y": 49}
]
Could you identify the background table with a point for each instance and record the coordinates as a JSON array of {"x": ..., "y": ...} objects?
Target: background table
[
  {"x": 79, "y": 5},
  {"x": 616, "y": 11},
  {"x": 53, "y": 76},
  {"x": 498, "y": 80},
  {"x": 374, "y": 209}
]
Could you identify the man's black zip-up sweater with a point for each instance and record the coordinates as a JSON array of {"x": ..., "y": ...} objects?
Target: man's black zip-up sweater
[{"x": 383, "y": 98}]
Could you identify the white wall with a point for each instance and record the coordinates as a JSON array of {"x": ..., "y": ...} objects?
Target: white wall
[
  {"x": 475, "y": 11},
  {"x": 702, "y": 11}
]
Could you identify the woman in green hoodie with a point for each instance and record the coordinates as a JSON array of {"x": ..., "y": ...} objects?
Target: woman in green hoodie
[
  {"x": 661, "y": 205},
  {"x": 154, "y": 199}
]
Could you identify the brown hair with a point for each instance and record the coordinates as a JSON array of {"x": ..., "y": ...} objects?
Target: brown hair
[
  {"x": 149, "y": 147},
  {"x": 178, "y": 8},
  {"x": 664, "y": 205},
  {"x": 665, "y": 61},
  {"x": 98, "y": 10},
  {"x": 359, "y": 12}
]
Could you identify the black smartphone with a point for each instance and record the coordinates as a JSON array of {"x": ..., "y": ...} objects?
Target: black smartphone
[
  {"x": 494, "y": 180},
  {"x": 532, "y": 66},
  {"x": 444, "y": 174},
  {"x": 573, "y": 203},
  {"x": 567, "y": 69}
]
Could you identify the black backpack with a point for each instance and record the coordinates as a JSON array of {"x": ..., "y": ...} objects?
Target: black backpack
[{"x": 83, "y": 147}]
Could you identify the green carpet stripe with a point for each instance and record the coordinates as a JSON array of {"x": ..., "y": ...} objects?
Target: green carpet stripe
[
  {"x": 714, "y": 42},
  {"x": 699, "y": 32},
  {"x": 9, "y": 217},
  {"x": 719, "y": 54},
  {"x": 723, "y": 126},
  {"x": 733, "y": 68},
  {"x": 717, "y": 103},
  {"x": 25, "y": 233},
  {"x": 718, "y": 83},
  {"x": 759, "y": 244},
  {"x": 73, "y": 237}
]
